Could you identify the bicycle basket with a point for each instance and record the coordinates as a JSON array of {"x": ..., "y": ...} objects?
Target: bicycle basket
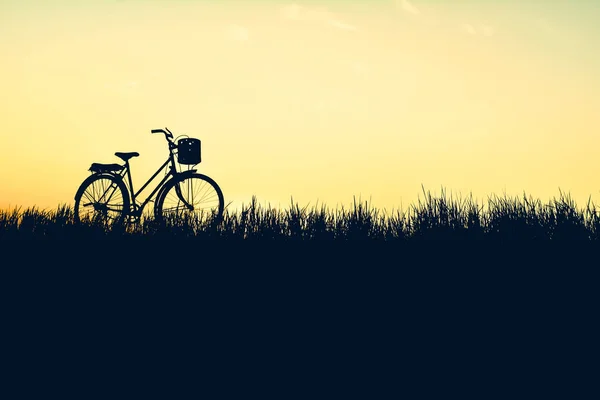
[{"x": 188, "y": 151}]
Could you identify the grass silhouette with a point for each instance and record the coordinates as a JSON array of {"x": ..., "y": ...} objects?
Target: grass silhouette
[{"x": 444, "y": 217}]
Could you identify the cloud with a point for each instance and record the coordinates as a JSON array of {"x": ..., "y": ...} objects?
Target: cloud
[
  {"x": 408, "y": 7},
  {"x": 341, "y": 25},
  {"x": 468, "y": 28},
  {"x": 318, "y": 15},
  {"x": 300, "y": 13},
  {"x": 237, "y": 33},
  {"x": 485, "y": 30},
  {"x": 291, "y": 11}
]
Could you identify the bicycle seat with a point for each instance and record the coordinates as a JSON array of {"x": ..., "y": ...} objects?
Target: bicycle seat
[
  {"x": 97, "y": 167},
  {"x": 127, "y": 156}
]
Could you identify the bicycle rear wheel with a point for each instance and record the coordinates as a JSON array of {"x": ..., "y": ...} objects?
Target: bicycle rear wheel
[
  {"x": 193, "y": 198},
  {"x": 101, "y": 198}
]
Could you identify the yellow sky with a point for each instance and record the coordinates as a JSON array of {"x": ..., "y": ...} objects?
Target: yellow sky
[{"x": 319, "y": 101}]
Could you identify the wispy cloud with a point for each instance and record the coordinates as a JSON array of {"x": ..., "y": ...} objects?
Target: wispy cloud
[
  {"x": 318, "y": 15},
  {"x": 485, "y": 30},
  {"x": 408, "y": 7},
  {"x": 341, "y": 25},
  {"x": 291, "y": 11},
  {"x": 237, "y": 33},
  {"x": 468, "y": 28}
]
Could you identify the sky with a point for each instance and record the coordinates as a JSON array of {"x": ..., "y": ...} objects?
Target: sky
[{"x": 319, "y": 102}]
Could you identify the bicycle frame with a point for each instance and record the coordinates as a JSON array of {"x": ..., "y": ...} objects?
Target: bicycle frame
[{"x": 136, "y": 208}]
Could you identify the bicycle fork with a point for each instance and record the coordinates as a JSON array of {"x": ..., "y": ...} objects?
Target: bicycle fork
[{"x": 180, "y": 195}]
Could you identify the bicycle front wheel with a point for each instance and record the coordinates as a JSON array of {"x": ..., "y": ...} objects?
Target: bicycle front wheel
[
  {"x": 101, "y": 198},
  {"x": 195, "y": 197}
]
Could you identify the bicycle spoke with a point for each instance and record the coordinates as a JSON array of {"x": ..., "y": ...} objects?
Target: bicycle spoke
[
  {"x": 200, "y": 194},
  {"x": 104, "y": 200}
]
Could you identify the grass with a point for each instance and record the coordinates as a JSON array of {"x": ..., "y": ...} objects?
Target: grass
[{"x": 441, "y": 217}]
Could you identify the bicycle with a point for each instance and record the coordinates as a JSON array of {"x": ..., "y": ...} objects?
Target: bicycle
[{"x": 107, "y": 196}]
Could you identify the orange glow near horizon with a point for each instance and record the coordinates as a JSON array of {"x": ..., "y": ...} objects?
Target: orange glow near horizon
[{"x": 316, "y": 101}]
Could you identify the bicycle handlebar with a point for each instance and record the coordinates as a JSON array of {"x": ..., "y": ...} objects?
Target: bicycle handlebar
[{"x": 168, "y": 133}]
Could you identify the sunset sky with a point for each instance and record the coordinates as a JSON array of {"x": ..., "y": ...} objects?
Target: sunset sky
[{"x": 316, "y": 100}]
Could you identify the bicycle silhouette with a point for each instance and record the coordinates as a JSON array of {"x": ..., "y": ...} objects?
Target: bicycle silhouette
[{"x": 105, "y": 194}]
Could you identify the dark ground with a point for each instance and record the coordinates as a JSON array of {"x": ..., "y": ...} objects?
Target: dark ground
[{"x": 253, "y": 316}]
